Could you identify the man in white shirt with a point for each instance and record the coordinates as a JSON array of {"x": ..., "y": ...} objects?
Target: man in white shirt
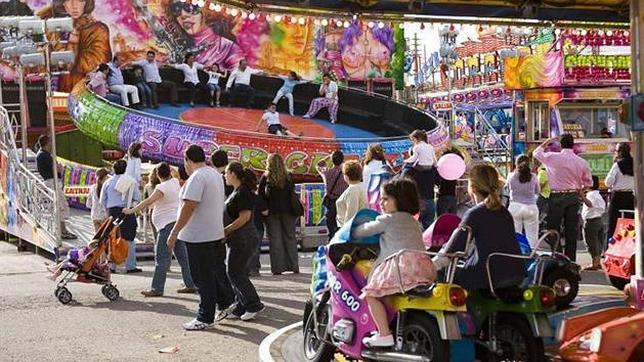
[
  {"x": 117, "y": 84},
  {"x": 153, "y": 79},
  {"x": 328, "y": 99},
  {"x": 239, "y": 85},
  {"x": 272, "y": 119},
  {"x": 200, "y": 224}
]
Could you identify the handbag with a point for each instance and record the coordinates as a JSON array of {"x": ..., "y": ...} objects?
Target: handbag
[
  {"x": 118, "y": 246},
  {"x": 327, "y": 201}
]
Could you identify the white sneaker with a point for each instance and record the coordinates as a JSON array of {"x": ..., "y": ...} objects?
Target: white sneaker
[
  {"x": 306, "y": 116},
  {"x": 195, "y": 325},
  {"x": 333, "y": 121},
  {"x": 248, "y": 316},
  {"x": 377, "y": 341},
  {"x": 220, "y": 315}
]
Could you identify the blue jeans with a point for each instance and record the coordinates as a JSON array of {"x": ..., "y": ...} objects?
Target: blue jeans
[
  {"x": 145, "y": 93},
  {"x": 130, "y": 261},
  {"x": 162, "y": 259},
  {"x": 427, "y": 211}
]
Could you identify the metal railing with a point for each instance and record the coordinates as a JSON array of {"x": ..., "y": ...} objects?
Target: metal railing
[{"x": 34, "y": 199}]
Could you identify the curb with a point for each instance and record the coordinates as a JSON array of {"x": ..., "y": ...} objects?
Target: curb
[{"x": 266, "y": 349}]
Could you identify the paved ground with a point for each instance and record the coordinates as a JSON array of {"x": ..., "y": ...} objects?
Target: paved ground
[{"x": 36, "y": 327}]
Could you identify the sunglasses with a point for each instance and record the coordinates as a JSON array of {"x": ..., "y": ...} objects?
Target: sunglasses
[{"x": 178, "y": 7}]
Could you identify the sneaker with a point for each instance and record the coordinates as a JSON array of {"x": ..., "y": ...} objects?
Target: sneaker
[
  {"x": 333, "y": 121},
  {"x": 306, "y": 116},
  {"x": 135, "y": 270},
  {"x": 251, "y": 315},
  {"x": 186, "y": 290},
  {"x": 151, "y": 293},
  {"x": 377, "y": 341},
  {"x": 220, "y": 315},
  {"x": 195, "y": 325},
  {"x": 212, "y": 104},
  {"x": 218, "y": 104},
  {"x": 192, "y": 104}
]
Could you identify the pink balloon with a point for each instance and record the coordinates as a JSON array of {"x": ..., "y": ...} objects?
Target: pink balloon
[{"x": 451, "y": 166}]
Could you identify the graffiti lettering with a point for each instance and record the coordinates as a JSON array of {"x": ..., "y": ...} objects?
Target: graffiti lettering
[
  {"x": 295, "y": 162},
  {"x": 152, "y": 141},
  {"x": 254, "y": 158}
]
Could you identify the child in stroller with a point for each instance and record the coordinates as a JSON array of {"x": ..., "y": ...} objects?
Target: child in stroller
[{"x": 88, "y": 264}]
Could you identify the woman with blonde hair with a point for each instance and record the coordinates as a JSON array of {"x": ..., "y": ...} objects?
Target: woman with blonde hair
[
  {"x": 493, "y": 232},
  {"x": 276, "y": 187}
]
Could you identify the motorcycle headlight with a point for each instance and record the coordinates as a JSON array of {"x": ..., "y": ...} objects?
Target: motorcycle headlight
[{"x": 343, "y": 330}]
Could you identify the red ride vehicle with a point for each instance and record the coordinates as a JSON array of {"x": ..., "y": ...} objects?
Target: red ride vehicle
[{"x": 619, "y": 258}]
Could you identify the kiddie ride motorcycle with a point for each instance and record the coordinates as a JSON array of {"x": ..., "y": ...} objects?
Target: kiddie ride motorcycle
[
  {"x": 504, "y": 324},
  {"x": 423, "y": 320}
]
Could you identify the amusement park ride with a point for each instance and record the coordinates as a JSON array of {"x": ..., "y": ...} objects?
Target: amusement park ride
[{"x": 493, "y": 105}]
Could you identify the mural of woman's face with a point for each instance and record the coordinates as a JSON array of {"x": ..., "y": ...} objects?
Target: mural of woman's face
[
  {"x": 75, "y": 8},
  {"x": 189, "y": 17}
]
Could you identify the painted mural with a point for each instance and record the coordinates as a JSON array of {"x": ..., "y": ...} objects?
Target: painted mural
[{"x": 216, "y": 35}]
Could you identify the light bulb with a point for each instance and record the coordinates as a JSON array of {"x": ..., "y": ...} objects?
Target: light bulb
[
  {"x": 609, "y": 33},
  {"x": 381, "y": 25},
  {"x": 244, "y": 15},
  {"x": 338, "y": 23},
  {"x": 316, "y": 21},
  {"x": 195, "y": 2},
  {"x": 217, "y": 8},
  {"x": 269, "y": 18},
  {"x": 346, "y": 24},
  {"x": 252, "y": 16},
  {"x": 371, "y": 24},
  {"x": 293, "y": 20},
  {"x": 211, "y": 6},
  {"x": 401, "y": 25},
  {"x": 234, "y": 12},
  {"x": 324, "y": 22},
  {"x": 301, "y": 21},
  {"x": 278, "y": 18}
]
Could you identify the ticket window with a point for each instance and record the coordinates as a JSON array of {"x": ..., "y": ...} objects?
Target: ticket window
[
  {"x": 538, "y": 121},
  {"x": 593, "y": 119},
  {"x": 520, "y": 130}
]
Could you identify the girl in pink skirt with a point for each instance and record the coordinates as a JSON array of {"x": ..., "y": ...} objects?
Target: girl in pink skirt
[{"x": 398, "y": 231}]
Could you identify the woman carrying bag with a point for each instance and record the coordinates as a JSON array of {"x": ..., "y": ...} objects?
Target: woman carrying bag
[{"x": 278, "y": 189}]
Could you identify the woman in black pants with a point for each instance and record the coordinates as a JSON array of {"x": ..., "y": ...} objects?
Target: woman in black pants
[
  {"x": 620, "y": 181},
  {"x": 241, "y": 237}
]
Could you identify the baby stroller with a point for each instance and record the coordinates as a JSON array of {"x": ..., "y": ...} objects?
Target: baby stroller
[
  {"x": 89, "y": 264},
  {"x": 439, "y": 232}
]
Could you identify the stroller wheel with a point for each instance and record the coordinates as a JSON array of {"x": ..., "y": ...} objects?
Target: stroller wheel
[
  {"x": 56, "y": 291},
  {"x": 110, "y": 292},
  {"x": 64, "y": 296}
]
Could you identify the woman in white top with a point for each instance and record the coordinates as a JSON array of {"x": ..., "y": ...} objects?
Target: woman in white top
[
  {"x": 190, "y": 70},
  {"x": 374, "y": 161},
  {"x": 165, "y": 199},
  {"x": 620, "y": 180},
  {"x": 422, "y": 157},
  {"x": 97, "y": 210},
  {"x": 420, "y": 167},
  {"x": 328, "y": 99},
  {"x": 353, "y": 198},
  {"x": 133, "y": 169}
]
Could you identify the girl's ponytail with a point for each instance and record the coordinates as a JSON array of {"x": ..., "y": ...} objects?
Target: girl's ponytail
[{"x": 485, "y": 179}]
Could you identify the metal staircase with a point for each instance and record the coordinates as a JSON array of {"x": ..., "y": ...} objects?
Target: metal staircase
[
  {"x": 489, "y": 146},
  {"x": 28, "y": 199}
]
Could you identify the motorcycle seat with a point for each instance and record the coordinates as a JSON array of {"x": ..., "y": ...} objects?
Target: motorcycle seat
[{"x": 422, "y": 291}]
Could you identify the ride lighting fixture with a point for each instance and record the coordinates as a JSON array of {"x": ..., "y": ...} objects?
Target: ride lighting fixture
[
  {"x": 60, "y": 25},
  {"x": 61, "y": 61},
  {"x": 31, "y": 27},
  {"x": 32, "y": 60}
]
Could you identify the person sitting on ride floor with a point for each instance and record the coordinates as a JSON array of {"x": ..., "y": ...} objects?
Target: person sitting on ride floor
[
  {"x": 272, "y": 119},
  {"x": 329, "y": 99},
  {"x": 493, "y": 231},
  {"x": 287, "y": 89},
  {"x": 398, "y": 230}
]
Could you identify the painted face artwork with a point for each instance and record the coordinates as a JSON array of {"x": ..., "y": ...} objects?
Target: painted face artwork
[{"x": 75, "y": 8}]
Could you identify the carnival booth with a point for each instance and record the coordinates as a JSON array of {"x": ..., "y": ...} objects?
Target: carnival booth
[{"x": 574, "y": 90}]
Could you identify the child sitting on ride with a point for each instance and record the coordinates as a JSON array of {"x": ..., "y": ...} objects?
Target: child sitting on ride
[
  {"x": 214, "y": 74},
  {"x": 272, "y": 119},
  {"x": 287, "y": 89},
  {"x": 398, "y": 231},
  {"x": 493, "y": 231}
]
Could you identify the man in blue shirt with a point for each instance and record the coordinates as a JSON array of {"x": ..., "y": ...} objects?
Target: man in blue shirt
[
  {"x": 46, "y": 168},
  {"x": 115, "y": 201},
  {"x": 117, "y": 84}
]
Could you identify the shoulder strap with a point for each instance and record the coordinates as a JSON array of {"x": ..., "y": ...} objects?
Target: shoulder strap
[{"x": 334, "y": 183}]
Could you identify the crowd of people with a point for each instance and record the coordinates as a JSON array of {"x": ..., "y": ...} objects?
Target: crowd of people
[
  {"x": 212, "y": 216},
  {"x": 107, "y": 81}
]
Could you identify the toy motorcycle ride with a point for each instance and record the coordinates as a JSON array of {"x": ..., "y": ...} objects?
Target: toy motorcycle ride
[
  {"x": 423, "y": 320},
  {"x": 557, "y": 270},
  {"x": 508, "y": 324}
]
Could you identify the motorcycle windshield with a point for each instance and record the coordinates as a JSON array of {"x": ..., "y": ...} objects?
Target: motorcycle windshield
[{"x": 343, "y": 235}]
